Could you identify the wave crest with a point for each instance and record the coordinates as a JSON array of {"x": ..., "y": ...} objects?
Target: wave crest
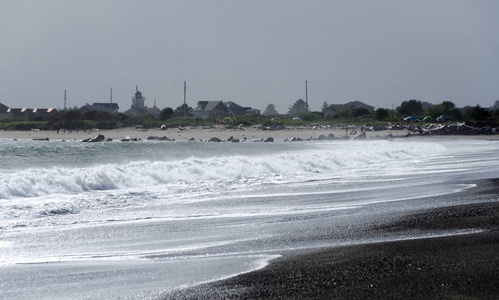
[{"x": 345, "y": 159}]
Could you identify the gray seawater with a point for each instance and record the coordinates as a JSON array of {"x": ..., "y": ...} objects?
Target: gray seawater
[{"x": 134, "y": 220}]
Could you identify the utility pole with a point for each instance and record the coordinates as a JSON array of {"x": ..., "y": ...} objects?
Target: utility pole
[
  {"x": 306, "y": 95},
  {"x": 185, "y": 103},
  {"x": 65, "y": 99},
  {"x": 111, "y": 96}
]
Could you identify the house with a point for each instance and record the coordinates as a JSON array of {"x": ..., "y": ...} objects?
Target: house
[
  {"x": 337, "y": 108},
  {"x": 211, "y": 109},
  {"x": 3, "y": 111},
  {"x": 109, "y": 107},
  {"x": 25, "y": 113},
  {"x": 153, "y": 111},
  {"x": 238, "y": 110},
  {"x": 41, "y": 112},
  {"x": 253, "y": 112}
]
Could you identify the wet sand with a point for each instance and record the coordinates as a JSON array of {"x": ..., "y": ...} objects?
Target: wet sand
[{"x": 452, "y": 267}]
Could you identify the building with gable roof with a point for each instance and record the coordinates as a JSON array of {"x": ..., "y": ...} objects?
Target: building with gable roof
[
  {"x": 3, "y": 110},
  {"x": 238, "y": 110},
  {"x": 109, "y": 107},
  {"x": 210, "y": 109},
  {"x": 25, "y": 113},
  {"x": 336, "y": 108}
]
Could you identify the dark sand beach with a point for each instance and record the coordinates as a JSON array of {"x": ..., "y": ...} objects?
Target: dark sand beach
[{"x": 453, "y": 267}]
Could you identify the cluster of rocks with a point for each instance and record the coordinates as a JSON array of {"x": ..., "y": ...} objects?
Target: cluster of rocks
[
  {"x": 232, "y": 140},
  {"x": 413, "y": 130},
  {"x": 98, "y": 138},
  {"x": 446, "y": 129},
  {"x": 321, "y": 137},
  {"x": 273, "y": 127},
  {"x": 102, "y": 138},
  {"x": 453, "y": 129},
  {"x": 158, "y": 138}
]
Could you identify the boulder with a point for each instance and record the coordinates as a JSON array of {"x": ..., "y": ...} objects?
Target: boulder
[
  {"x": 165, "y": 138},
  {"x": 215, "y": 139},
  {"x": 157, "y": 138},
  {"x": 232, "y": 139},
  {"x": 269, "y": 139},
  {"x": 361, "y": 136},
  {"x": 98, "y": 138}
]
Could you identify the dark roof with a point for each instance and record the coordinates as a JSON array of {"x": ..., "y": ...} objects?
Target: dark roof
[
  {"x": 19, "y": 110},
  {"x": 138, "y": 95},
  {"x": 3, "y": 108},
  {"x": 210, "y": 105},
  {"x": 107, "y": 105},
  {"x": 43, "y": 110},
  {"x": 237, "y": 109},
  {"x": 350, "y": 105},
  {"x": 153, "y": 110}
]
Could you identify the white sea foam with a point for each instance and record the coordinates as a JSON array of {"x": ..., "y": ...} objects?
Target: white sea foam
[
  {"x": 116, "y": 218},
  {"x": 347, "y": 159},
  {"x": 41, "y": 190}
]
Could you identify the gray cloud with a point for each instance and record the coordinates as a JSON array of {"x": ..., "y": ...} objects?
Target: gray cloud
[{"x": 251, "y": 52}]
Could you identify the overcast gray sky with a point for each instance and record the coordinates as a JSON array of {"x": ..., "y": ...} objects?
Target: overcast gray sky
[{"x": 250, "y": 52}]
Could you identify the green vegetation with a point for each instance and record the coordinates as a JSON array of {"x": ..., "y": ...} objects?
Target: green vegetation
[
  {"x": 76, "y": 120},
  {"x": 381, "y": 114},
  {"x": 411, "y": 108},
  {"x": 270, "y": 110},
  {"x": 300, "y": 106}
]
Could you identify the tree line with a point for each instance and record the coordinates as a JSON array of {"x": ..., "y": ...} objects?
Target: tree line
[
  {"x": 411, "y": 107},
  {"x": 182, "y": 116}
]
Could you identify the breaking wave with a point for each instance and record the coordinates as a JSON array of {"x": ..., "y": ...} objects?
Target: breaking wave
[{"x": 323, "y": 160}]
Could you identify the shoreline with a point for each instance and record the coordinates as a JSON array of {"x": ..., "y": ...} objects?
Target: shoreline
[
  {"x": 222, "y": 133},
  {"x": 452, "y": 267}
]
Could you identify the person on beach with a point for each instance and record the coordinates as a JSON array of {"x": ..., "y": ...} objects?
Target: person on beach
[{"x": 420, "y": 129}]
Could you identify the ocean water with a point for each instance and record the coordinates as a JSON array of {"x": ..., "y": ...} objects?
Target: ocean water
[{"x": 134, "y": 220}]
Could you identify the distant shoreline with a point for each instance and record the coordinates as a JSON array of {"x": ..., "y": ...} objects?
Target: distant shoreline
[{"x": 206, "y": 133}]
